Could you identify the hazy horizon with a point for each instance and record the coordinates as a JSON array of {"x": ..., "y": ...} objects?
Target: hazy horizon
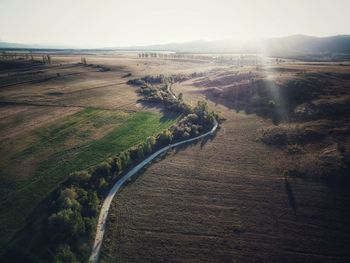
[{"x": 130, "y": 23}]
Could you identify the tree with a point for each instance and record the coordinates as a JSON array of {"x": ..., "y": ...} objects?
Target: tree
[
  {"x": 103, "y": 185},
  {"x": 80, "y": 178},
  {"x": 83, "y": 60},
  {"x": 140, "y": 153},
  {"x": 66, "y": 224},
  {"x": 68, "y": 192},
  {"x": 165, "y": 137},
  {"x": 102, "y": 170},
  {"x": 180, "y": 96},
  {"x": 125, "y": 159},
  {"x": 149, "y": 145},
  {"x": 185, "y": 135},
  {"x": 93, "y": 203},
  {"x": 68, "y": 203}
]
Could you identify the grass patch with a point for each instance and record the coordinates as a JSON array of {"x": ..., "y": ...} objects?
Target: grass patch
[{"x": 73, "y": 143}]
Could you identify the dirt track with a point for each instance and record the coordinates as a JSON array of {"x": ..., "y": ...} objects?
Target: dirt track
[{"x": 227, "y": 202}]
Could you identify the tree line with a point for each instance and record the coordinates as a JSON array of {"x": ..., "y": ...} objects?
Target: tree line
[
  {"x": 238, "y": 60},
  {"x": 156, "y": 89},
  {"x": 46, "y": 59}
]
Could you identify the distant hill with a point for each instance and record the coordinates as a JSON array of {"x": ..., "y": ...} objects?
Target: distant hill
[
  {"x": 291, "y": 45},
  {"x": 12, "y": 45},
  {"x": 300, "y": 44},
  {"x": 8, "y": 45},
  {"x": 333, "y": 47}
]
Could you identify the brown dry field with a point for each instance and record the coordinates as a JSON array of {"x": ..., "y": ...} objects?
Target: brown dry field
[
  {"x": 34, "y": 95},
  {"x": 226, "y": 200}
]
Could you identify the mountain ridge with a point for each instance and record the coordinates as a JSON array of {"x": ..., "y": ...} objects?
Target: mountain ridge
[{"x": 289, "y": 45}]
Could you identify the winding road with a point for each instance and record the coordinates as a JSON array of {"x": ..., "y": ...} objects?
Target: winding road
[{"x": 101, "y": 225}]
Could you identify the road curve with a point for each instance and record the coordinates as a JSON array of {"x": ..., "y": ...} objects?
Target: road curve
[
  {"x": 107, "y": 202},
  {"x": 172, "y": 94}
]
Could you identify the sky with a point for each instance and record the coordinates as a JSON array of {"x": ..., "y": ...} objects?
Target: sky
[{"x": 111, "y": 23}]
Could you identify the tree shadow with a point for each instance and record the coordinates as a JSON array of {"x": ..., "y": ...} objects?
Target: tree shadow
[
  {"x": 290, "y": 194},
  {"x": 166, "y": 114},
  {"x": 208, "y": 138}
]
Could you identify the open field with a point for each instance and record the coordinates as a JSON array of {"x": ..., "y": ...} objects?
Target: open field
[{"x": 227, "y": 199}]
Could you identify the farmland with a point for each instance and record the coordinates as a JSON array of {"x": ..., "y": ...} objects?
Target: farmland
[
  {"x": 161, "y": 132},
  {"x": 232, "y": 197}
]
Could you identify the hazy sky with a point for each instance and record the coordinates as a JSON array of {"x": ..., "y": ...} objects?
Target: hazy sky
[{"x": 100, "y": 23}]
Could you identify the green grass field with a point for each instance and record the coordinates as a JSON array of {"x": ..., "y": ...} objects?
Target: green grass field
[{"x": 38, "y": 162}]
